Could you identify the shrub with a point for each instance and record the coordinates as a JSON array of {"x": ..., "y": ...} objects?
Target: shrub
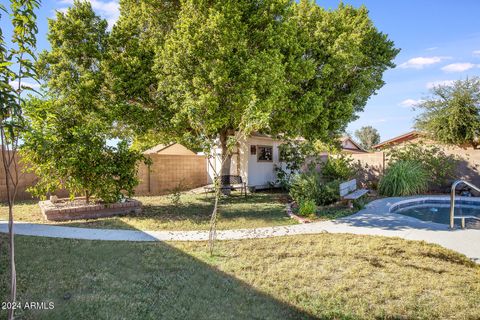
[
  {"x": 175, "y": 196},
  {"x": 293, "y": 155},
  {"x": 338, "y": 168},
  {"x": 305, "y": 186},
  {"x": 439, "y": 166},
  {"x": 404, "y": 178},
  {"x": 307, "y": 208},
  {"x": 329, "y": 193},
  {"x": 309, "y": 186}
]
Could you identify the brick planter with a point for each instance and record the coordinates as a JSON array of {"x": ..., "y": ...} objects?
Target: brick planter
[
  {"x": 64, "y": 209},
  {"x": 294, "y": 216}
]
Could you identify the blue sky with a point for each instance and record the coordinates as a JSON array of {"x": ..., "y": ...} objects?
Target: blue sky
[{"x": 439, "y": 42}]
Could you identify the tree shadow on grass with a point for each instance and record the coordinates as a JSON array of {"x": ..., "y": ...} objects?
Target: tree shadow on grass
[{"x": 126, "y": 280}]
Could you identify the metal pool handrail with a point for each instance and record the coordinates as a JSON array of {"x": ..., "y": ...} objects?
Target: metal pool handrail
[{"x": 452, "y": 199}]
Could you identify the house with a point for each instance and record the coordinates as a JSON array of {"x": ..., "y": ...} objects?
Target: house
[
  {"x": 256, "y": 157},
  {"x": 253, "y": 159},
  {"x": 350, "y": 146},
  {"x": 409, "y": 137},
  {"x": 170, "y": 149}
]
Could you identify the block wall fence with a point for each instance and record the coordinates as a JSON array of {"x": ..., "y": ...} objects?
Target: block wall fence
[
  {"x": 468, "y": 167},
  {"x": 25, "y": 180},
  {"x": 169, "y": 172},
  {"x": 166, "y": 173}
]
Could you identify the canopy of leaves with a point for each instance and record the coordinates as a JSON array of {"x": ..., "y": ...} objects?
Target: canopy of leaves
[
  {"x": 368, "y": 136},
  {"x": 274, "y": 66},
  {"x": 451, "y": 115},
  {"x": 67, "y": 142},
  {"x": 16, "y": 65},
  {"x": 71, "y": 152},
  {"x": 131, "y": 82}
]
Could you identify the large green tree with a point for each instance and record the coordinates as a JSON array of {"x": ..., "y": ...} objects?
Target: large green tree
[
  {"x": 368, "y": 137},
  {"x": 131, "y": 82},
  {"x": 217, "y": 70},
  {"x": 276, "y": 66},
  {"x": 71, "y": 130},
  {"x": 452, "y": 114}
]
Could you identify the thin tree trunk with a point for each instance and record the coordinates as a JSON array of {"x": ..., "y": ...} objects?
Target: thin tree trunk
[
  {"x": 6, "y": 166},
  {"x": 212, "y": 235},
  {"x": 226, "y": 160},
  {"x": 13, "y": 272}
]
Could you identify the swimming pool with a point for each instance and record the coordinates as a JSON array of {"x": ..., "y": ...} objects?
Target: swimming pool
[{"x": 438, "y": 210}]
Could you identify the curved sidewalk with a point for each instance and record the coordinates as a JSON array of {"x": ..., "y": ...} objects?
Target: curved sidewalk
[{"x": 373, "y": 220}]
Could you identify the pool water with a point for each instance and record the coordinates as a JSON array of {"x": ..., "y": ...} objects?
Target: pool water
[{"x": 440, "y": 213}]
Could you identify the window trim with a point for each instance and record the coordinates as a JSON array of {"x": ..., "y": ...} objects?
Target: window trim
[{"x": 259, "y": 153}]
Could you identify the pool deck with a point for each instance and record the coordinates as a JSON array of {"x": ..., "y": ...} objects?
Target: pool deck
[{"x": 375, "y": 219}]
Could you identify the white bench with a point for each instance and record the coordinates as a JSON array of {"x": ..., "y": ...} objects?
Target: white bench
[{"x": 349, "y": 191}]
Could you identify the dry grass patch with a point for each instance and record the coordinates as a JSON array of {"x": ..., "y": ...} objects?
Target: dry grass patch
[{"x": 299, "y": 277}]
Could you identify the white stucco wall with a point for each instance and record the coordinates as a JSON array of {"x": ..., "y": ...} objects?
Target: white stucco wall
[
  {"x": 254, "y": 173},
  {"x": 213, "y": 164},
  {"x": 261, "y": 173}
]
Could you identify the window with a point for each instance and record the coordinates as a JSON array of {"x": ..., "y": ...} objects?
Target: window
[{"x": 265, "y": 153}]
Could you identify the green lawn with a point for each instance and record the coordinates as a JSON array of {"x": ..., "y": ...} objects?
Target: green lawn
[
  {"x": 257, "y": 210},
  {"x": 299, "y": 277}
]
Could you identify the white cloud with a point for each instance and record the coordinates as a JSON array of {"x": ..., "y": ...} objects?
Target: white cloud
[
  {"x": 458, "y": 67},
  {"x": 421, "y": 62},
  {"x": 109, "y": 9},
  {"x": 476, "y": 53},
  {"x": 33, "y": 85},
  {"x": 409, "y": 103},
  {"x": 432, "y": 84}
]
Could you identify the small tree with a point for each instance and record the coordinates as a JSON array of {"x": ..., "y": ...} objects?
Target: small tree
[
  {"x": 69, "y": 140},
  {"x": 70, "y": 152},
  {"x": 368, "y": 136},
  {"x": 15, "y": 66},
  {"x": 451, "y": 115}
]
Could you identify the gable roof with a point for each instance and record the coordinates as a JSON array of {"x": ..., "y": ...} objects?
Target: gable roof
[
  {"x": 173, "y": 149},
  {"x": 156, "y": 149},
  {"x": 346, "y": 139},
  {"x": 399, "y": 139}
]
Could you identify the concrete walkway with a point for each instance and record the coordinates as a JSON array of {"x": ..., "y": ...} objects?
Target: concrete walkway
[{"x": 375, "y": 219}]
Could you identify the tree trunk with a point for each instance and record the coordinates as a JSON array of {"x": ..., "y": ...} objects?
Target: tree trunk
[
  {"x": 9, "y": 184},
  {"x": 13, "y": 272},
  {"x": 212, "y": 235},
  {"x": 226, "y": 160}
]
